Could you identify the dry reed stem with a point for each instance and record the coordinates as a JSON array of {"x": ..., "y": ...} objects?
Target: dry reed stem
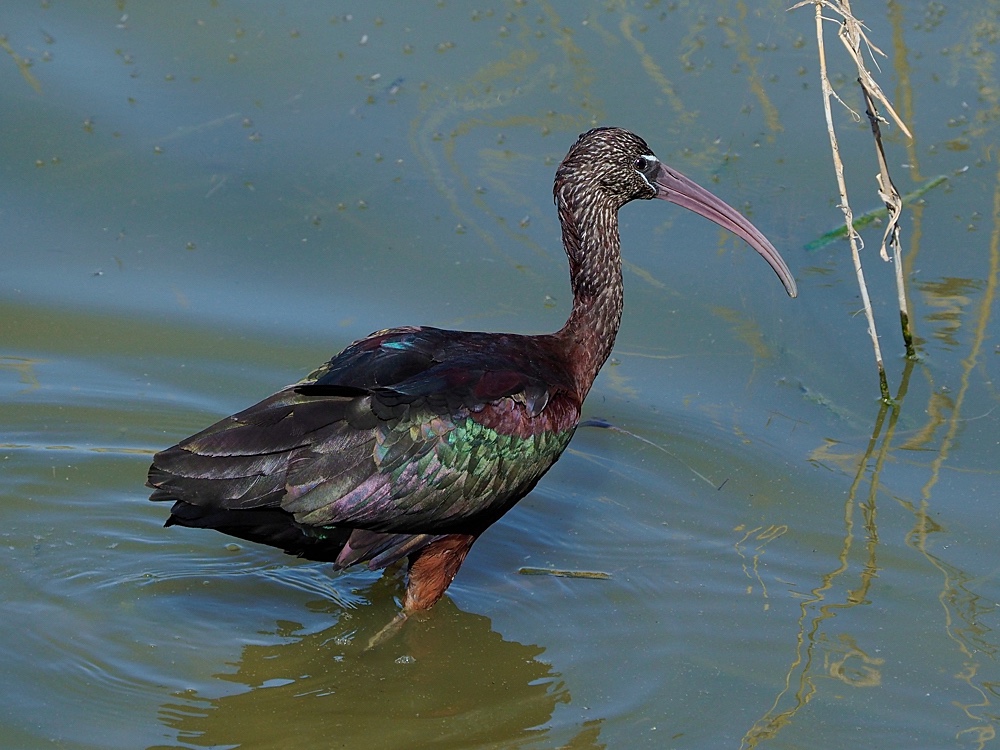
[
  {"x": 852, "y": 35},
  {"x": 845, "y": 206},
  {"x": 894, "y": 205}
]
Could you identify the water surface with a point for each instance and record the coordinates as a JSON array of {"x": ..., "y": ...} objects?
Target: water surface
[{"x": 203, "y": 201}]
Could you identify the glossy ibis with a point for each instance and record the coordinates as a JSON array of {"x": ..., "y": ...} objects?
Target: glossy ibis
[{"x": 411, "y": 442}]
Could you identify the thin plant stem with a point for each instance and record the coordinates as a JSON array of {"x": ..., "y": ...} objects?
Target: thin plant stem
[
  {"x": 894, "y": 205},
  {"x": 838, "y": 168}
]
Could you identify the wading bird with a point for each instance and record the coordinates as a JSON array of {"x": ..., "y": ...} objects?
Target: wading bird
[{"x": 411, "y": 442}]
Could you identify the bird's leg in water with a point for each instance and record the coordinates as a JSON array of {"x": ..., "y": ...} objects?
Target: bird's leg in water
[{"x": 431, "y": 571}]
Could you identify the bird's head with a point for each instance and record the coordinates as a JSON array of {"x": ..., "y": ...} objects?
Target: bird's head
[{"x": 608, "y": 167}]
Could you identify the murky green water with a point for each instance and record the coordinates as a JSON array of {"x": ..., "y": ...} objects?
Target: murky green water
[{"x": 202, "y": 201}]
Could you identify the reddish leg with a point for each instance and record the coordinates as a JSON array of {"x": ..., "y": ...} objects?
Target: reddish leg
[{"x": 432, "y": 570}]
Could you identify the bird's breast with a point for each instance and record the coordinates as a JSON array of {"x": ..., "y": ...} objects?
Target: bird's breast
[{"x": 514, "y": 418}]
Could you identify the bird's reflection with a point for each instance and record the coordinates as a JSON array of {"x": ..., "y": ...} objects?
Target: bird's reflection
[{"x": 446, "y": 679}]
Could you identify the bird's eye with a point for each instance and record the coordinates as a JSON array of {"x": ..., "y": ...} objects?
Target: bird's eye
[{"x": 642, "y": 163}]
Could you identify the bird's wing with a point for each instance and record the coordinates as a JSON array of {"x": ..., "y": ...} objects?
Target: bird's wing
[{"x": 402, "y": 433}]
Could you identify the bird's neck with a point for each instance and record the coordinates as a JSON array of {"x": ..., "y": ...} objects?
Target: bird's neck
[{"x": 593, "y": 247}]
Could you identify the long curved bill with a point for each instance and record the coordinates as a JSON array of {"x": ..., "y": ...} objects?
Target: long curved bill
[{"x": 672, "y": 186}]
